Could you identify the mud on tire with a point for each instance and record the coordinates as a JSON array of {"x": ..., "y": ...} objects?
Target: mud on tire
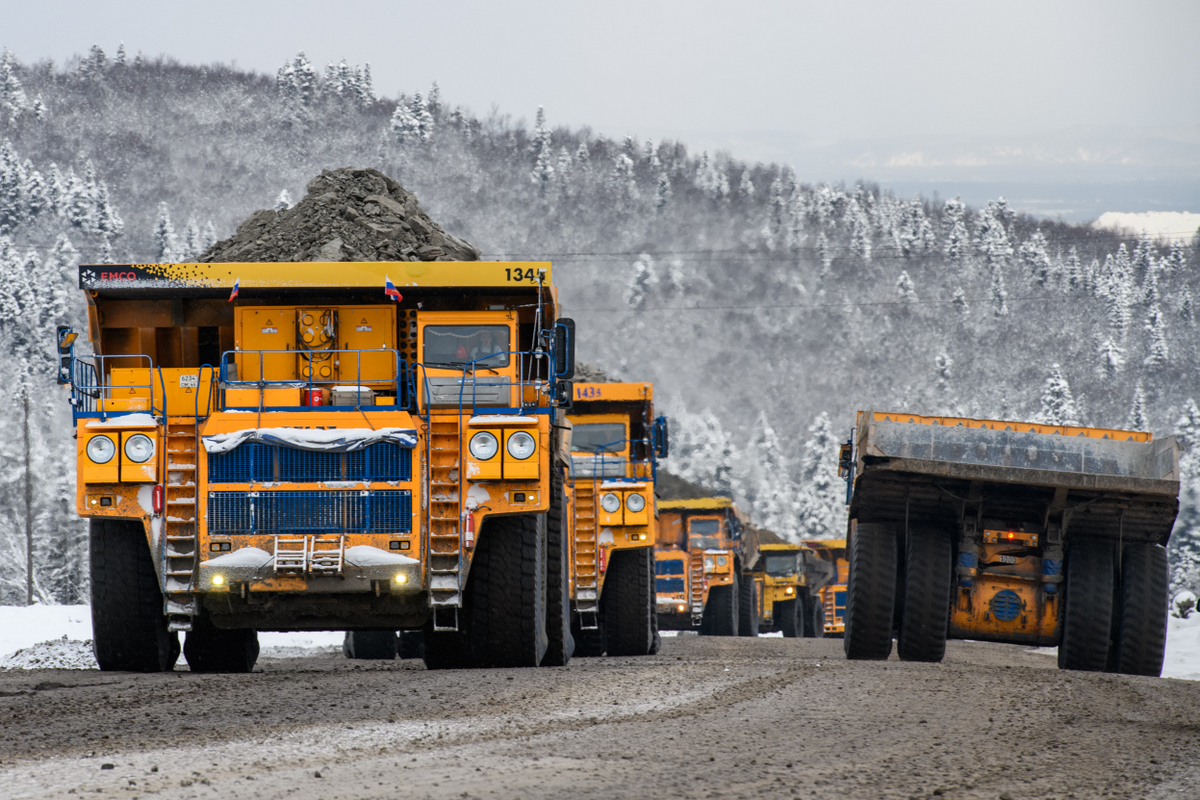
[
  {"x": 928, "y": 575},
  {"x": 507, "y": 612},
  {"x": 1141, "y": 617},
  {"x": 1087, "y": 606},
  {"x": 871, "y": 593},
  {"x": 129, "y": 629}
]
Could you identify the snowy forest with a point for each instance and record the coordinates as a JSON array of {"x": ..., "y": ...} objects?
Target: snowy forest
[{"x": 765, "y": 309}]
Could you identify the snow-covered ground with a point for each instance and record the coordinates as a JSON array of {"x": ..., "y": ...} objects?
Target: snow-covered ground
[
  {"x": 1168, "y": 225},
  {"x": 40, "y": 637}
]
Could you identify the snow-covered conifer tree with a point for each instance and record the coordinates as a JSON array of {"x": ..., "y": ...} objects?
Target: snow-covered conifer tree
[
  {"x": 960, "y": 302},
  {"x": 208, "y": 237},
  {"x": 662, "y": 192},
  {"x": 1156, "y": 328},
  {"x": 820, "y": 504},
  {"x": 1137, "y": 421},
  {"x": 622, "y": 181},
  {"x": 403, "y": 125},
  {"x": 1058, "y": 404},
  {"x": 166, "y": 244},
  {"x": 13, "y": 101},
  {"x": 943, "y": 364},
  {"x": 1111, "y": 359},
  {"x": 999, "y": 293},
  {"x": 746, "y": 186},
  {"x": 641, "y": 282},
  {"x": 1187, "y": 309},
  {"x": 905, "y": 288},
  {"x": 1035, "y": 258},
  {"x": 192, "y": 246},
  {"x": 956, "y": 236},
  {"x": 108, "y": 221}
]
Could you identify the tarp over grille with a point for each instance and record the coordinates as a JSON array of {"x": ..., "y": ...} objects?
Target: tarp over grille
[{"x": 339, "y": 440}]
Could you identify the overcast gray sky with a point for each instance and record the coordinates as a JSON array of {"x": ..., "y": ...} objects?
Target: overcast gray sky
[{"x": 828, "y": 70}]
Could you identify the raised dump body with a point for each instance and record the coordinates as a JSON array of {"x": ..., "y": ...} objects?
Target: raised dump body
[
  {"x": 832, "y": 595},
  {"x": 702, "y": 550},
  {"x": 616, "y": 442},
  {"x": 1009, "y": 531},
  {"x": 308, "y": 446}
]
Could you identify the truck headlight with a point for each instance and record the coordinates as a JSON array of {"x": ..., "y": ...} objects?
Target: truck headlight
[
  {"x": 708, "y": 563},
  {"x": 139, "y": 448},
  {"x": 635, "y": 502},
  {"x": 610, "y": 503},
  {"x": 483, "y": 446},
  {"x": 101, "y": 449},
  {"x": 521, "y": 445}
]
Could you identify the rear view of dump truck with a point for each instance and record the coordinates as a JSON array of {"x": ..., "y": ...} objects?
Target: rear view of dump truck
[
  {"x": 833, "y": 594},
  {"x": 1011, "y": 532},
  {"x": 615, "y": 443},
  {"x": 308, "y": 446},
  {"x": 702, "y": 550}
]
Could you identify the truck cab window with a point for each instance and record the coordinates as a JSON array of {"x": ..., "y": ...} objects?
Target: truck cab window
[{"x": 457, "y": 346}]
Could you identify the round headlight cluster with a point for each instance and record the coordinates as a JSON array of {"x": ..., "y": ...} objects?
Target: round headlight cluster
[
  {"x": 635, "y": 502},
  {"x": 139, "y": 448},
  {"x": 101, "y": 449},
  {"x": 708, "y": 563},
  {"x": 521, "y": 445},
  {"x": 483, "y": 445},
  {"x": 610, "y": 503}
]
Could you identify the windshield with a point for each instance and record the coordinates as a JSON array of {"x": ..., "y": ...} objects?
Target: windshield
[
  {"x": 705, "y": 533},
  {"x": 598, "y": 437},
  {"x": 781, "y": 565},
  {"x": 458, "y": 345}
]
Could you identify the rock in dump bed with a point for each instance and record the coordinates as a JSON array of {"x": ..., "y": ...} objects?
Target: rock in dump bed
[{"x": 348, "y": 215}]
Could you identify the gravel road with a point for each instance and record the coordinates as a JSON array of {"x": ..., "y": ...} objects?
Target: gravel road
[{"x": 708, "y": 717}]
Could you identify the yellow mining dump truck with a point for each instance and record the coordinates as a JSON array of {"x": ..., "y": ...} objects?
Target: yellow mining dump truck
[
  {"x": 702, "y": 550},
  {"x": 1009, "y": 531},
  {"x": 615, "y": 443},
  {"x": 306, "y": 446},
  {"x": 833, "y": 594},
  {"x": 788, "y": 578}
]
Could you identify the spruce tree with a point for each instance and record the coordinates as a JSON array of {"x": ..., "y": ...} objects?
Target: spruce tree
[
  {"x": 1058, "y": 405},
  {"x": 1156, "y": 328},
  {"x": 905, "y": 288},
  {"x": 166, "y": 244},
  {"x": 1136, "y": 421},
  {"x": 1111, "y": 359},
  {"x": 960, "y": 302},
  {"x": 821, "y": 498}
]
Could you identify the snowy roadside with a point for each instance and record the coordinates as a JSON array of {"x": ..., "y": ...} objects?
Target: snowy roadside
[{"x": 59, "y": 637}]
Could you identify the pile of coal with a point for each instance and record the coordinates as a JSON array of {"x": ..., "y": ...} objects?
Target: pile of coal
[{"x": 347, "y": 215}]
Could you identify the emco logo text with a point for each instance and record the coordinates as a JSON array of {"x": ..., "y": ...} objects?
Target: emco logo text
[{"x": 118, "y": 276}]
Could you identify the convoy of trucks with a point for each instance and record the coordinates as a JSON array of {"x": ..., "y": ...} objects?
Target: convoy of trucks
[{"x": 308, "y": 446}]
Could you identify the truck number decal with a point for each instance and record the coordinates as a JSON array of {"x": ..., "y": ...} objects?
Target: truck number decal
[
  {"x": 519, "y": 274},
  {"x": 1008, "y": 559},
  {"x": 189, "y": 381},
  {"x": 582, "y": 392}
]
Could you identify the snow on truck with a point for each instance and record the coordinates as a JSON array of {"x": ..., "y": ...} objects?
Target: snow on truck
[
  {"x": 1012, "y": 532},
  {"x": 615, "y": 443},
  {"x": 703, "y": 549},
  {"x": 308, "y": 446}
]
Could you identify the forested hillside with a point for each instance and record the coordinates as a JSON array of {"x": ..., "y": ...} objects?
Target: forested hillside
[{"x": 766, "y": 309}]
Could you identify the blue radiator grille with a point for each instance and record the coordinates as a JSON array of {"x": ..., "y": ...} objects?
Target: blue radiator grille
[
  {"x": 673, "y": 566},
  {"x": 255, "y": 462},
  {"x": 668, "y": 584},
  {"x": 297, "y": 513}
]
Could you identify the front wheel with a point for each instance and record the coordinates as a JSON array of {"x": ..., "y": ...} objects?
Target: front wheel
[
  {"x": 129, "y": 629},
  {"x": 791, "y": 614},
  {"x": 627, "y": 604},
  {"x": 508, "y": 605},
  {"x": 721, "y": 611},
  {"x": 814, "y": 619},
  {"x": 749, "y": 613},
  {"x": 208, "y": 648}
]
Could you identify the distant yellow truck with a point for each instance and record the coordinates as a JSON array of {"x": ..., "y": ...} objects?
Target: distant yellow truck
[
  {"x": 1009, "y": 531},
  {"x": 787, "y": 581},
  {"x": 700, "y": 556},
  {"x": 616, "y": 442},
  {"x": 833, "y": 595}
]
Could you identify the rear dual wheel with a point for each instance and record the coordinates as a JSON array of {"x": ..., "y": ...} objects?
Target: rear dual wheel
[
  {"x": 928, "y": 576},
  {"x": 375, "y": 645},
  {"x": 871, "y": 592}
]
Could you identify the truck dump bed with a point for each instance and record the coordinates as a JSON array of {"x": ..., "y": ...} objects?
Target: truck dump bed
[{"x": 1108, "y": 483}]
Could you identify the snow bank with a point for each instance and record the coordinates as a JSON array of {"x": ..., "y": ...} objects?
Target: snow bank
[
  {"x": 1179, "y": 226},
  {"x": 337, "y": 440},
  {"x": 61, "y": 653},
  {"x": 25, "y": 626},
  {"x": 1182, "y": 659}
]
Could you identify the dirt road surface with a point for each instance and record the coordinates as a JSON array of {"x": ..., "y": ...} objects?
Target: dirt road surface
[{"x": 708, "y": 717}]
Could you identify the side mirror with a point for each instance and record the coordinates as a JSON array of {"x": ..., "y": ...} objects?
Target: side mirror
[
  {"x": 661, "y": 437},
  {"x": 66, "y": 343},
  {"x": 566, "y": 395},
  {"x": 845, "y": 459},
  {"x": 564, "y": 349}
]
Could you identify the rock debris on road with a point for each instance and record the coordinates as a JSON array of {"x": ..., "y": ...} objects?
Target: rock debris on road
[{"x": 708, "y": 717}]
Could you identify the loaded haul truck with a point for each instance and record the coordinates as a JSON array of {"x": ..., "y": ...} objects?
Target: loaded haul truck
[
  {"x": 611, "y": 513},
  {"x": 788, "y": 578},
  {"x": 832, "y": 595},
  {"x": 1012, "y": 532},
  {"x": 308, "y": 446},
  {"x": 702, "y": 550}
]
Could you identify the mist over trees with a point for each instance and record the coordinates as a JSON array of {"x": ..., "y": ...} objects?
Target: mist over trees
[{"x": 765, "y": 309}]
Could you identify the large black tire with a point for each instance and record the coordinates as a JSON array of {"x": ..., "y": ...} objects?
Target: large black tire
[
  {"x": 507, "y": 611},
  {"x": 652, "y": 581},
  {"x": 749, "y": 611},
  {"x": 721, "y": 611},
  {"x": 789, "y": 614},
  {"x": 814, "y": 617},
  {"x": 373, "y": 645},
  {"x": 1142, "y": 626},
  {"x": 928, "y": 575},
  {"x": 589, "y": 643},
  {"x": 871, "y": 593},
  {"x": 627, "y": 604},
  {"x": 558, "y": 594},
  {"x": 1087, "y": 606},
  {"x": 409, "y": 643},
  {"x": 211, "y": 649},
  {"x": 446, "y": 649},
  {"x": 129, "y": 629}
]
